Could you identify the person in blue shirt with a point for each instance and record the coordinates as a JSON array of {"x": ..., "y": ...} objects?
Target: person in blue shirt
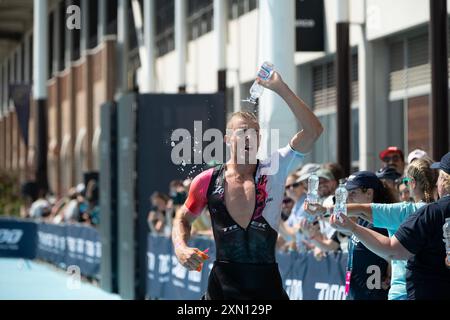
[
  {"x": 295, "y": 189},
  {"x": 418, "y": 239},
  {"x": 421, "y": 180}
]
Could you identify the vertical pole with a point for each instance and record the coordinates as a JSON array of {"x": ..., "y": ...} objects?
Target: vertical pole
[
  {"x": 40, "y": 49},
  {"x": 343, "y": 86},
  {"x": 439, "y": 78}
]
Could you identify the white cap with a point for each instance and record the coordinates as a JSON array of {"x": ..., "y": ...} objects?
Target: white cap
[
  {"x": 416, "y": 154},
  {"x": 80, "y": 188},
  {"x": 305, "y": 172},
  {"x": 308, "y": 168}
]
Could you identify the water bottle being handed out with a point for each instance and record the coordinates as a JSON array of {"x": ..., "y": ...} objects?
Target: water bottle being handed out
[
  {"x": 256, "y": 90},
  {"x": 312, "y": 196},
  {"x": 341, "y": 195}
]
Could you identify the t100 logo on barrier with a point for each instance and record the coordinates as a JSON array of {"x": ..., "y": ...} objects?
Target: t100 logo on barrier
[{"x": 10, "y": 236}]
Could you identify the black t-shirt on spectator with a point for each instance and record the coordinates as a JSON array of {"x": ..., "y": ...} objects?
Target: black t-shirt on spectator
[
  {"x": 363, "y": 258},
  {"x": 421, "y": 234}
]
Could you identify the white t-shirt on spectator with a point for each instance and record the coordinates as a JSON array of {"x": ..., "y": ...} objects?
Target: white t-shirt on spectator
[
  {"x": 38, "y": 208},
  {"x": 71, "y": 211},
  {"x": 325, "y": 226}
]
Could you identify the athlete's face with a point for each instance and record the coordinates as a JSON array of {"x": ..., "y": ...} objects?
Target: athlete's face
[{"x": 243, "y": 139}]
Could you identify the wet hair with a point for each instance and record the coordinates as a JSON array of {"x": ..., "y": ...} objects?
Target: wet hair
[
  {"x": 424, "y": 176},
  {"x": 245, "y": 115}
]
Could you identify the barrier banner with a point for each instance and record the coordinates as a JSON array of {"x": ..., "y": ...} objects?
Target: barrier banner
[
  {"x": 17, "y": 239},
  {"x": 304, "y": 278},
  {"x": 70, "y": 246}
]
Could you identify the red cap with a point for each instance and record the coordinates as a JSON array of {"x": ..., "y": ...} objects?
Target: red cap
[{"x": 388, "y": 150}]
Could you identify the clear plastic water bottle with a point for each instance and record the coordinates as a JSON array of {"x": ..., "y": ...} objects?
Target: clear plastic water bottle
[
  {"x": 341, "y": 195},
  {"x": 446, "y": 233},
  {"x": 313, "y": 189},
  {"x": 264, "y": 73},
  {"x": 312, "y": 196}
]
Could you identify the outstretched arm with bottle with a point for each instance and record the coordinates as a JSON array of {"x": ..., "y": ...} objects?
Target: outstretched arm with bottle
[
  {"x": 354, "y": 210},
  {"x": 385, "y": 247}
]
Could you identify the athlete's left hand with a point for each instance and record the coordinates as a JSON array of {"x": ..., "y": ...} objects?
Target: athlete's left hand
[{"x": 343, "y": 223}]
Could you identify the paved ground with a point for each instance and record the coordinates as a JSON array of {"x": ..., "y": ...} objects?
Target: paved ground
[{"x": 29, "y": 280}]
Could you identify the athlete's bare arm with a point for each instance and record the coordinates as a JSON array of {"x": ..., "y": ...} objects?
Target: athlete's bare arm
[
  {"x": 196, "y": 201},
  {"x": 303, "y": 140},
  {"x": 181, "y": 231}
]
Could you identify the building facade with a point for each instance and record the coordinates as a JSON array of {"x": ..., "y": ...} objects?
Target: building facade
[{"x": 187, "y": 42}]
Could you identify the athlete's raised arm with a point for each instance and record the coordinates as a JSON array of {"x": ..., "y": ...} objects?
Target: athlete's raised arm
[{"x": 303, "y": 140}]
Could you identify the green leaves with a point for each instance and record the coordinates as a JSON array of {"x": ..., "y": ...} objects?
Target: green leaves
[{"x": 10, "y": 198}]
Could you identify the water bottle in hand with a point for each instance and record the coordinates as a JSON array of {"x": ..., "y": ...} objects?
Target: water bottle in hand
[
  {"x": 313, "y": 189},
  {"x": 264, "y": 73},
  {"x": 341, "y": 195},
  {"x": 312, "y": 197}
]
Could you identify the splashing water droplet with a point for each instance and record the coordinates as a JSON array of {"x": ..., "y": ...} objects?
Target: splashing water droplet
[{"x": 172, "y": 144}]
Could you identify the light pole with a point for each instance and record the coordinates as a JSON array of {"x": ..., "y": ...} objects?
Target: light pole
[{"x": 343, "y": 85}]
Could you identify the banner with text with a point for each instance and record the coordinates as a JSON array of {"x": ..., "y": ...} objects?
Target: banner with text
[{"x": 304, "y": 278}]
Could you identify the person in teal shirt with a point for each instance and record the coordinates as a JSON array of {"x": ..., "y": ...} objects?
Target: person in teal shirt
[{"x": 421, "y": 180}]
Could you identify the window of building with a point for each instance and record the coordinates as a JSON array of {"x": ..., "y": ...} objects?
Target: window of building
[
  {"x": 237, "y": 8},
  {"x": 324, "y": 105},
  {"x": 199, "y": 18},
  {"x": 165, "y": 25},
  {"x": 409, "y": 81},
  {"x": 409, "y": 63},
  {"x": 325, "y": 148}
]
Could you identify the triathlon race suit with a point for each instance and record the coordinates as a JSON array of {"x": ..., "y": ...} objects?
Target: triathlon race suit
[{"x": 245, "y": 266}]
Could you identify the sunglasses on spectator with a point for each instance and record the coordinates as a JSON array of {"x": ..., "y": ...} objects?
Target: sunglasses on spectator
[
  {"x": 394, "y": 158},
  {"x": 286, "y": 201},
  {"x": 294, "y": 185}
]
